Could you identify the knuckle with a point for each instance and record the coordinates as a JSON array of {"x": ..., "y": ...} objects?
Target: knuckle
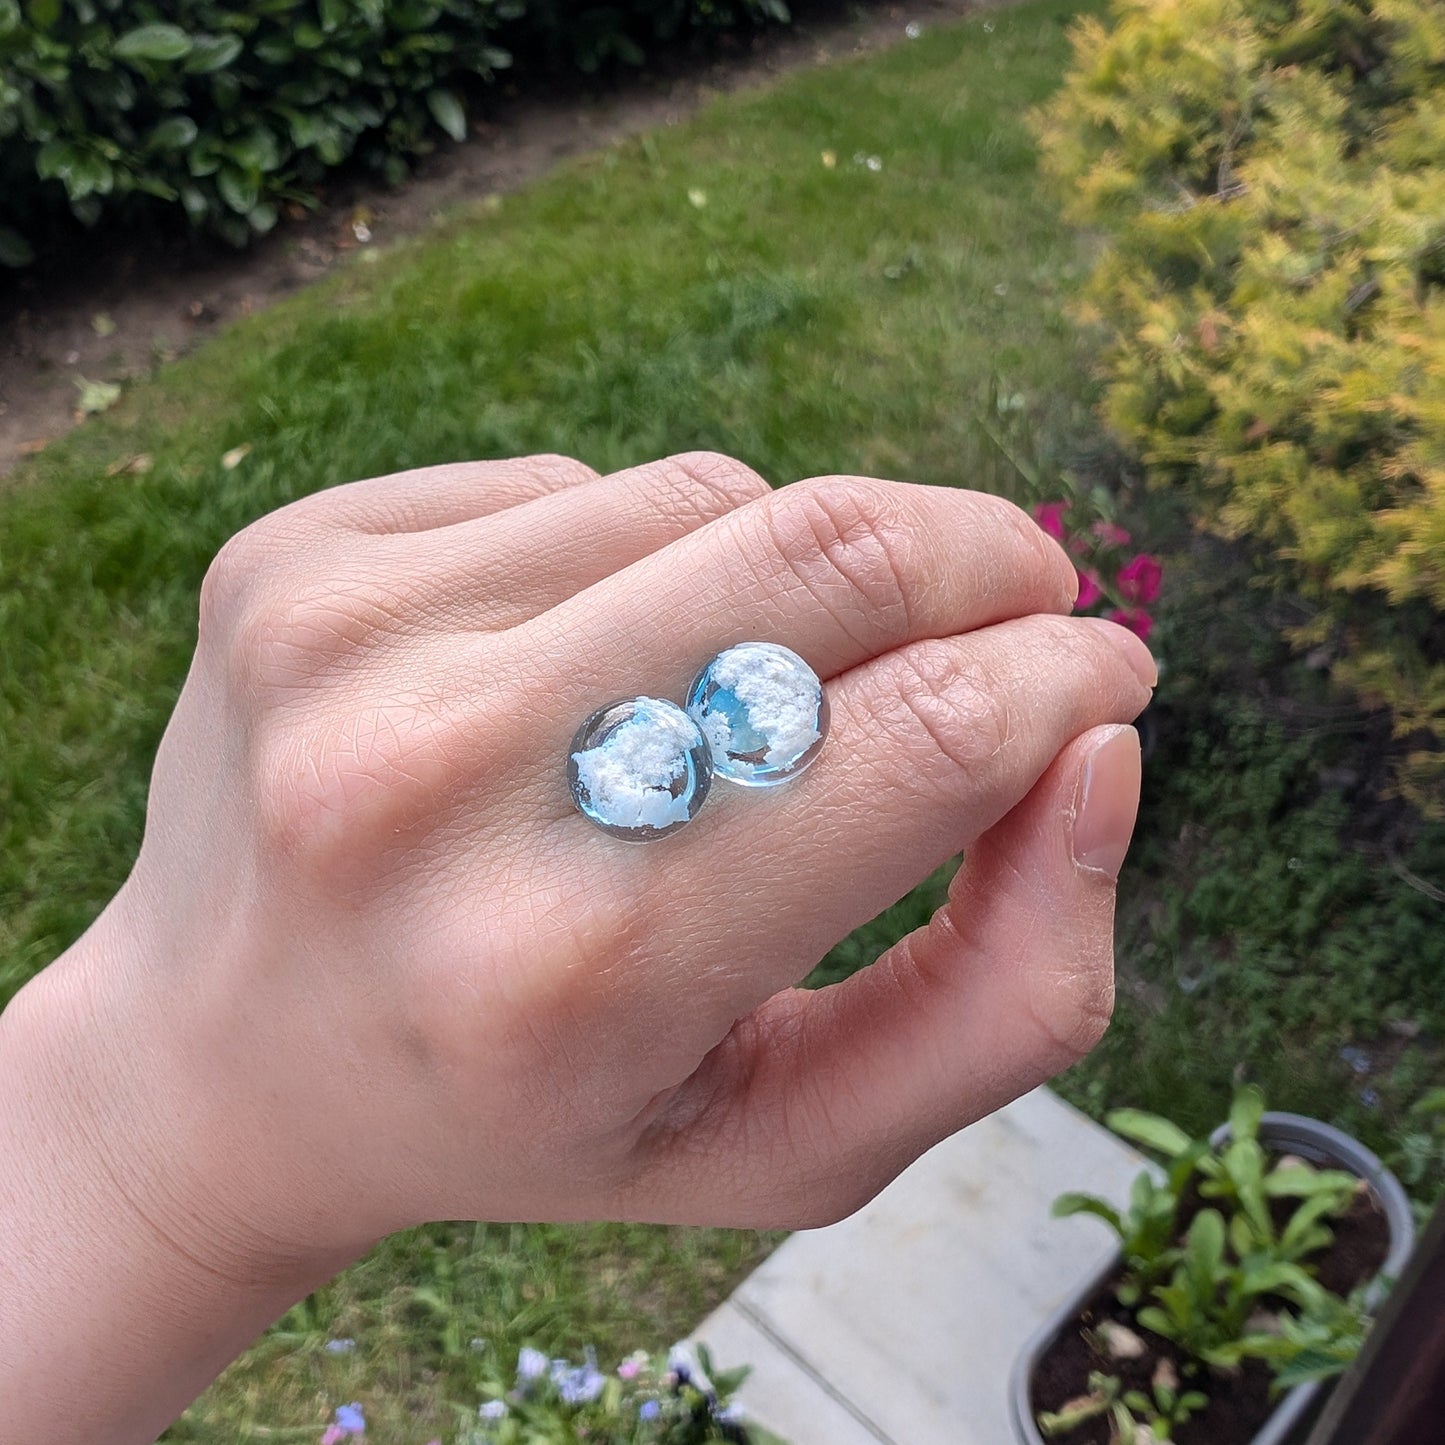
[
  {"x": 309, "y": 809},
  {"x": 285, "y": 638},
  {"x": 234, "y": 575},
  {"x": 851, "y": 549},
  {"x": 955, "y": 710},
  {"x": 327, "y": 790},
  {"x": 333, "y": 616},
  {"x": 262, "y": 652},
  {"x": 563, "y": 471},
  {"x": 713, "y": 483}
]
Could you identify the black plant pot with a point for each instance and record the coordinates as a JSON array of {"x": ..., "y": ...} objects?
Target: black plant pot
[{"x": 1320, "y": 1144}]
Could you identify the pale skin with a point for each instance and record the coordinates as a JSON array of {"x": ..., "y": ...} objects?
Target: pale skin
[{"x": 371, "y": 968}]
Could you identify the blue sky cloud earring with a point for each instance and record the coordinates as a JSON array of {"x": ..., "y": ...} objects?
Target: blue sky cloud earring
[
  {"x": 763, "y": 712},
  {"x": 639, "y": 769}
]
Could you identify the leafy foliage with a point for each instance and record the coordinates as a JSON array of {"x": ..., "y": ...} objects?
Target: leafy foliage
[
  {"x": 1135, "y": 1417},
  {"x": 1419, "y": 1158},
  {"x": 230, "y": 110},
  {"x": 1204, "y": 1290},
  {"x": 1316, "y": 1343},
  {"x": 1213, "y": 1290},
  {"x": 1273, "y": 294},
  {"x": 1161, "y": 1411},
  {"x": 1236, "y": 1175},
  {"x": 1147, "y": 1230},
  {"x": 594, "y": 36}
]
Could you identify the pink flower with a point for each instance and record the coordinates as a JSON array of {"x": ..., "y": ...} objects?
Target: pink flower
[
  {"x": 1111, "y": 535},
  {"x": 1089, "y": 591},
  {"x": 1050, "y": 516},
  {"x": 1137, "y": 621},
  {"x": 1139, "y": 580}
]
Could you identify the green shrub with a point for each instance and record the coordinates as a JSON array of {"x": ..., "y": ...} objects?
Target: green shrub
[
  {"x": 227, "y": 109},
  {"x": 223, "y": 109},
  {"x": 1267, "y": 176},
  {"x": 592, "y": 36}
]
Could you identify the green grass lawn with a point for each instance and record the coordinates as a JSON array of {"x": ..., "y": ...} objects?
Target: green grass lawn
[{"x": 750, "y": 282}]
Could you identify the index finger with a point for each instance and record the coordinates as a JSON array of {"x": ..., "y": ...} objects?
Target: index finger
[{"x": 840, "y": 569}]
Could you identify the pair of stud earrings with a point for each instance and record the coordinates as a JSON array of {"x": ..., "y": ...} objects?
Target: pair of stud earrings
[{"x": 641, "y": 768}]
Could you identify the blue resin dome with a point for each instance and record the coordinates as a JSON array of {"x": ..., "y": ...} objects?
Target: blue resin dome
[
  {"x": 639, "y": 769},
  {"x": 763, "y": 712}
]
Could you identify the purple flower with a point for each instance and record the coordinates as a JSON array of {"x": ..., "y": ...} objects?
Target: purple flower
[
  {"x": 531, "y": 1364},
  {"x": 580, "y": 1384},
  {"x": 347, "y": 1423},
  {"x": 493, "y": 1410},
  {"x": 340, "y": 1347},
  {"x": 650, "y": 1410}
]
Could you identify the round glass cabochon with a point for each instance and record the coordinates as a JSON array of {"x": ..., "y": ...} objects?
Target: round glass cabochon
[{"x": 763, "y": 711}]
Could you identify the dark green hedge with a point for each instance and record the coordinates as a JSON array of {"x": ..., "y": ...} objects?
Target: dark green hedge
[
  {"x": 227, "y": 107},
  {"x": 594, "y": 36}
]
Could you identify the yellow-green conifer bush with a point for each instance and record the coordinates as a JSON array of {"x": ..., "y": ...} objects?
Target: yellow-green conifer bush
[{"x": 1269, "y": 176}]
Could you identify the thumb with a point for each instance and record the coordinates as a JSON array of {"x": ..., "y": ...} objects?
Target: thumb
[{"x": 831, "y": 1094}]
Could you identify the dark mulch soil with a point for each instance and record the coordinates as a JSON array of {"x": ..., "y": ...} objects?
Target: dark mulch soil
[
  {"x": 1362, "y": 1240},
  {"x": 1239, "y": 1403}
]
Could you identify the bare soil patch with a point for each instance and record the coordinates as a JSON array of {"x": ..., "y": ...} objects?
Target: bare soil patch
[{"x": 121, "y": 306}]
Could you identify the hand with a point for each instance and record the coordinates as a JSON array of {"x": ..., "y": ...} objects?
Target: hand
[{"x": 372, "y": 968}]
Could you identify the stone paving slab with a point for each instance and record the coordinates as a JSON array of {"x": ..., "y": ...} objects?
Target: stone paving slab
[{"x": 899, "y": 1325}]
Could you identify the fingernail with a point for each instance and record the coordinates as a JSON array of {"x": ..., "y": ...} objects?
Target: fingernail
[
  {"x": 1106, "y": 803},
  {"x": 1135, "y": 653}
]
